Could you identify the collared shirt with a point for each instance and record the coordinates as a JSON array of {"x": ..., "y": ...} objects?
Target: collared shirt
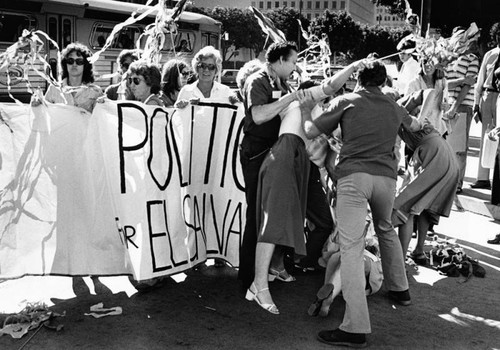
[
  {"x": 369, "y": 121},
  {"x": 464, "y": 66},
  {"x": 258, "y": 91},
  {"x": 409, "y": 70},
  {"x": 219, "y": 93},
  {"x": 485, "y": 76}
]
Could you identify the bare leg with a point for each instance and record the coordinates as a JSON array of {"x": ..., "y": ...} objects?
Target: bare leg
[
  {"x": 423, "y": 226},
  {"x": 263, "y": 255}
]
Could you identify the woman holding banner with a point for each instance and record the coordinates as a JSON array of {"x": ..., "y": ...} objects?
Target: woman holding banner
[
  {"x": 144, "y": 80},
  {"x": 207, "y": 63},
  {"x": 77, "y": 88}
]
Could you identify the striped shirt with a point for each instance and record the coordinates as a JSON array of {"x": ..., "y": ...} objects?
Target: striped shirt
[{"x": 465, "y": 65}]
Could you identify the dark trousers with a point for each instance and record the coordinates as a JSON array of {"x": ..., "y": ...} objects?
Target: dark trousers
[
  {"x": 495, "y": 186},
  {"x": 253, "y": 150},
  {"x": 318, "y": 213}
]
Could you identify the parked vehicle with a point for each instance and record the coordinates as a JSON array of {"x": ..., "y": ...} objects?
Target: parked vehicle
[
  {"x": 91, "y": 22},
  {"x": 228, "y": 77}
]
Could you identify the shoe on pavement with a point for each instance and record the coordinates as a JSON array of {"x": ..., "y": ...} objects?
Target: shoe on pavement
[
  {"x": 402, "y": 298},
  {"x": 481, "y": 184},
  {"x": 338, "y": 337},
  {"x": 495, "y": 240}
]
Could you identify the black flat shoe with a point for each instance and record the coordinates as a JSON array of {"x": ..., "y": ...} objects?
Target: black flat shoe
[
  {"x": 481, "y": 184},
  {"x": 338, "y": 337},
  {"x": 495, "y": 240}
]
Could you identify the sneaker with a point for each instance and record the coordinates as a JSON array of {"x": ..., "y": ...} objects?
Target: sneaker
[
  {"x": 402, "y": 298},
  {"x": 339, "y": 337},
  {"x": 481, "y": 184}
]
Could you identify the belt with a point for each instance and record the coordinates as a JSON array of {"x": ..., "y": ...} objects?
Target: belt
[{"x": 490, "y": 89}]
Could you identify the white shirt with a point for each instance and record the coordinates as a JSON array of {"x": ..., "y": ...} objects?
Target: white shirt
[
  {"x": 409, "y": 71},
  {"x": 219, "y": 93}
]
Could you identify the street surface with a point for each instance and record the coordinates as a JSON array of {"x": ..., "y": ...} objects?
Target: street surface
[{"x": 207, "y": 310}]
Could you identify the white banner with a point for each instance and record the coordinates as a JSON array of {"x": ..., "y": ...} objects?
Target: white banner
[{"x": 129, "y": 189}]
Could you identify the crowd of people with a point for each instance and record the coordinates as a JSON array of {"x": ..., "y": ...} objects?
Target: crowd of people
[{"x": 429, "y": 108}]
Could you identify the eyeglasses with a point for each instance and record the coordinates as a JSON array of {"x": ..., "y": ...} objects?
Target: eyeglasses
[
  {"x": 135, "y": 80},
  {"x": 186, "y": 73},
  {"x": 78, "y": 61},
  {"x": 203, "y": 66}
]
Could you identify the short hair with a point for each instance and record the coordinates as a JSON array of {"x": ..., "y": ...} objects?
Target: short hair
[
  {"x": 278, "y": 50},
  {"x": 374, "y": 74},
  {"x": 149, "y": 71},
  {"x": 170, "y": 75},
  {"x": 207, "y": 52},
  {"x": 124, "y": 54},
  {"x": 82, "y": 51},
  {"x": 248, "y": 69}
]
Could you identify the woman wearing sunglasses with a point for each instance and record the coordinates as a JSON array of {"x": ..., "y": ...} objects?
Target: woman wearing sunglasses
[
  {"x": 207, "y": 63},
  {"x": 144, "y": 81},
  {"x": 176, "y": 74},
  {"x": 76, "y": 88}
]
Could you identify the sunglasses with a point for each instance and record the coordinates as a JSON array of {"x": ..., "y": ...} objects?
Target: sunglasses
[
  {"x": 78, "y": 61},
  {"x": 203, "y": 66},
  {"x": 134, "y": 80},
  {"x": 185, "y": 74}
]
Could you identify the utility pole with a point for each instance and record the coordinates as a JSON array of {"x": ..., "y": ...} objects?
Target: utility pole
[
  {"x": 425, "y": 15},
  {"x": 300, "y": 29}
]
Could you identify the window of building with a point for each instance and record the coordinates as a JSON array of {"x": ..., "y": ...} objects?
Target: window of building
[
  {"x": 253, "y": 4},
  {"x": 342, "y": 5},
  {"x": 334, "y": 5},
  {"x": 292, "y": 4},
  {"x": 317, "y": 5},
  {"x": 261, "y": 4},
  {"x": 285, "y": 4},
  {"x": 309, "y": 5},
  {"x": 325, "y": 4},
  {"x": 276, "y": 4},
  {"x": 269, "y": 4},
  {"x": 308, "y": 16},
  {"x": 316, "y": 15}
]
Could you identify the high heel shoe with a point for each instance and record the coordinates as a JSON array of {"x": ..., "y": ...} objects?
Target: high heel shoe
[
  {"x": 254, "y": 296},
  {"x": 282, "y": 275}
]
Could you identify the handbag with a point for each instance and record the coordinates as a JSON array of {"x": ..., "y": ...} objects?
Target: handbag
[{"x": 489, "y": 150}]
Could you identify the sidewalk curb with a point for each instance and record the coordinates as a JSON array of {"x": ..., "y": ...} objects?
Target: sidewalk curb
[{"x": 477, "y": 206}]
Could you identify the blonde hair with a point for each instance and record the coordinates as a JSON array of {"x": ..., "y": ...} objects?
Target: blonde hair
[{"x": 207, "y": 52}]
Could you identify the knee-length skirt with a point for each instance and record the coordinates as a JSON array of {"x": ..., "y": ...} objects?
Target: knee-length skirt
[{"x": 282, "y": 194}]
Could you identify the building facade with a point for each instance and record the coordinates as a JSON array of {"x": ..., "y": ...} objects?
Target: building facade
[{"x": 385, "y": 18}]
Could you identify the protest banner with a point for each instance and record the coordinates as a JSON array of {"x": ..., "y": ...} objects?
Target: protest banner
[{"x": 130, "y": 189}]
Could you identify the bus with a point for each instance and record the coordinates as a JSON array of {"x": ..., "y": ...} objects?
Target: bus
[{"x": 90, "y": 22}]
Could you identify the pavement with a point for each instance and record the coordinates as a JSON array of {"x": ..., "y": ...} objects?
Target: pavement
[{"x": 205, "y": 309}]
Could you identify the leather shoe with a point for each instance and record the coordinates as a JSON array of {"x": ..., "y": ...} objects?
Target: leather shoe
[
  {"x": 402, "y": 298},
  {"x": 481, "y": 184},
  {"x": 339, "y": 337}
]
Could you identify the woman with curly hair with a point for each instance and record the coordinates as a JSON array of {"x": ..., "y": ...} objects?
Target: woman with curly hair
[
  {"x": 76, "y": 87},
  {"x": 176, "y": 74},
  {"x": 144, "y": 80}
]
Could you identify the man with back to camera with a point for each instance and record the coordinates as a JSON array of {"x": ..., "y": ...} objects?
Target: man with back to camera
[{"x": 365, "y": 174}]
